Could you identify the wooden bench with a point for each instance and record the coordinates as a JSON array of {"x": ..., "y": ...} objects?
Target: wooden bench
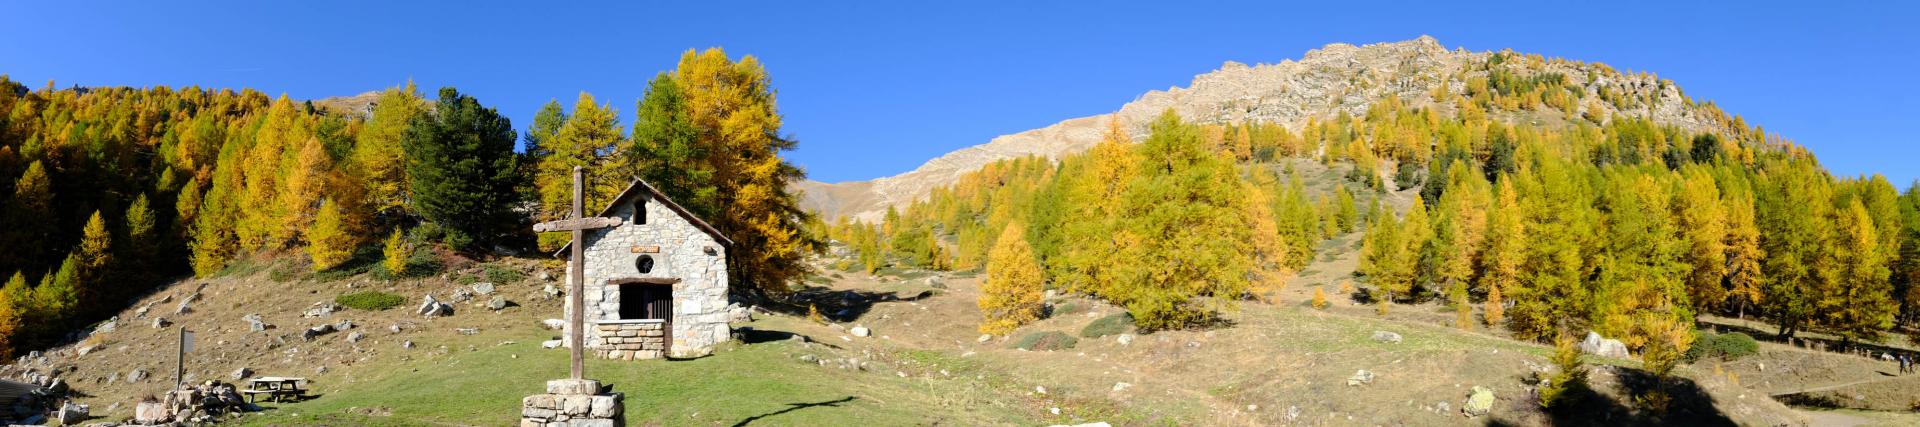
[{"x": 275, "y": 388}]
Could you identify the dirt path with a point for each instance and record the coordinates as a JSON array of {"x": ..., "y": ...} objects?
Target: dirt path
[
  {"x": 1833, "y": 386},
  {"x": 1833, "y": 419}
]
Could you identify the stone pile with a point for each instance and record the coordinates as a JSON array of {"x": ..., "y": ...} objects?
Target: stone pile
[
  {"x": 200, "y": 404},
  {"x": 572, "y": 403}
]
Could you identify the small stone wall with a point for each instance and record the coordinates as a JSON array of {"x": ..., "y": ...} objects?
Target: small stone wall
[
  {"x": 572, "y": 403},
  {"x": 629, "y": 341}
]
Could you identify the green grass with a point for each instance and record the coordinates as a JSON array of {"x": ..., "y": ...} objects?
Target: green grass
[
  {"x": 1112, "y": 324},
  {"x": 370, "y": 300},
  {"x": 480, "y": 381},
  {"x": 1045, "y": 341}
]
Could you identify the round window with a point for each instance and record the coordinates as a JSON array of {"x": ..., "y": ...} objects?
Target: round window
[{"x": 645, "y": 264}]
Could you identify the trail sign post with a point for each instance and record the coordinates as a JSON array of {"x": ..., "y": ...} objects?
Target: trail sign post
[{"x": 576, "y": 265}]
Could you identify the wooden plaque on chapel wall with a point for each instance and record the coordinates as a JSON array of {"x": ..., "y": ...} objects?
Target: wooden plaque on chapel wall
[{"x": 646, "y": 249}]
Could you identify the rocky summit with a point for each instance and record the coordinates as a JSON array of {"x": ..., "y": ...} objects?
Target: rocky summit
[{"x": 1338, "y": 78}]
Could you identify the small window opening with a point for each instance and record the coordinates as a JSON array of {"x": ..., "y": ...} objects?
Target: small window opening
[
  {"x": 649, "y": 302},
  {"x": 644, "y": 264},
  {"x": 640, "y": 210}
]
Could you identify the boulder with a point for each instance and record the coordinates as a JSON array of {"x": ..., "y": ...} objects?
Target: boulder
[
  {"x": 108, "y": 326},
  {"x": 356, "y": 336},
  {"x": 551, "y": 291},
  {"x": 736, "y": 313},
  {"x": 554, "y": 324},
  {"x": 343, "y": 325},
  {"x": 552, "y": 343},
  {"x": 255, "y": 324},
  {"x": 1361, "y": 377},
  {"x": 136, "y": 376},
  {"x": 984, "y": 338},
  {"x": 467, "y": 331},
  {"x": 545, "y": 276},
  {"x": 1386, "y": 337},
  {"x": 1601, "y": 346},
  {"x": 406, "y": 344},
  {"x": 161, "y": 322},
  {"x": 434, "y": 308},
  {"x": 861, "y": 331},
  {"x": 241, "y": 374},
  {"x": 71, "y": 414},
  {"x": 1480, "y": 402},
  {"x": 151, "y": 413},
  {"x": 497, "y": 303},
  {"x": 483, "y": 288},
  {"x": 1124, "y": 339}
]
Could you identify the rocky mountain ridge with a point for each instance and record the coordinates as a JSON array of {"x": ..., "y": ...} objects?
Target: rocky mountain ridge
[{"x": 1337, "y": 78}]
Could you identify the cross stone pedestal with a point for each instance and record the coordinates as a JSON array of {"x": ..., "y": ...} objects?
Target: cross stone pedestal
[{"x": 572, "y": 403}]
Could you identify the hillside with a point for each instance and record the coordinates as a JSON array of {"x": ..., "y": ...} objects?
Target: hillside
[
  {"x": 1336, "y": 79},
  {"x": 1280, "y": 364}
]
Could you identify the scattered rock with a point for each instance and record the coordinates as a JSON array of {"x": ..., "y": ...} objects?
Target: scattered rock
[
  {"x": 343, "y": 325},
  {"x": 108, "y": 326},
  {"x": 141, "y": 313},
  {"x": 186, "y": 304},
  {"x": 1361, "y": 377},
  {"x": 552, "y": 343},
  {"x": 460, "y": 295},
  {"x": 1125, "y": 339},
  {"x": 136, "y": 376},
  {"x": 467, "y": 331},
  {"x": 861, "y": 331},
  {"x": 434, "y": 308},
  {"x": 545, "y": 276},
  {"x": 1386, "y": 337},
  {"x": 551, "y": 291},
  {"x": 316, "y": 332},
  {"x": 319, "y": 309},
  {"x": 1601, "y": 346},
  {"x": 254, "y": 324},
  {"x": 84, "y": 350},
  {"x": 406, "y": 344},
  {"x": 1040, "y": 389},
  {"x": 1121, "y": 386},
  {"x": 241, "y": 374},
  {"x": 319, "y": 370},
  {"x": 1094, "y": 424},
  {"x": 1479, "y": 403},
  {"x": 483, "y": 288},
  {"x": 356, "y": 336},
  {"x": 497, "y": 303},
  {"x": 394, "y": 328},
  {"x": 161, "y": 322},
  {"x": 984, "y": 338},
  {"x": 554, "y": 324}
]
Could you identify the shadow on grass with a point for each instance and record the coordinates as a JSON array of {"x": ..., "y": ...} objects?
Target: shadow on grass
[
  {"x": 1690, "y": 405},
  {"x": 840, "y": 305},
  {"x": 793, "y": 407}
]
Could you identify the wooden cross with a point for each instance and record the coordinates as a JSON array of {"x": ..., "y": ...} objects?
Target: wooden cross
[{"x": 576, "y": 265}]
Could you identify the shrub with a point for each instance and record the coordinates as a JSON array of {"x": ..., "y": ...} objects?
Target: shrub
[
  {"x": 370, "y": 300},
  {"x": 1065, "y": 309},
  {"x": 1046, "y": 341},
  {"x": 1320, "y": 298},
  {"x": 1570, "y": 375},
  {"x": 1728, "y": 346},
  {"x": 1113, "y": 324}
]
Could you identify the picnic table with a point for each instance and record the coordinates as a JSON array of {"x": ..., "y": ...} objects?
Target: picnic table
[{"x": 275, "y": 388}]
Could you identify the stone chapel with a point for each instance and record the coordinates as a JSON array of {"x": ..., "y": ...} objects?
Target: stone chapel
[{"x": 656, "y": 284}]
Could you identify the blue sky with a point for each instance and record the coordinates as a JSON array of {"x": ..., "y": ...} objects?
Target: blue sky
[{"x": 873, "y": 89}]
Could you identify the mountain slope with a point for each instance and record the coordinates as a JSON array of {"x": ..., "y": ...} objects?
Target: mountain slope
[{"x": 1335, "y": 79}]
